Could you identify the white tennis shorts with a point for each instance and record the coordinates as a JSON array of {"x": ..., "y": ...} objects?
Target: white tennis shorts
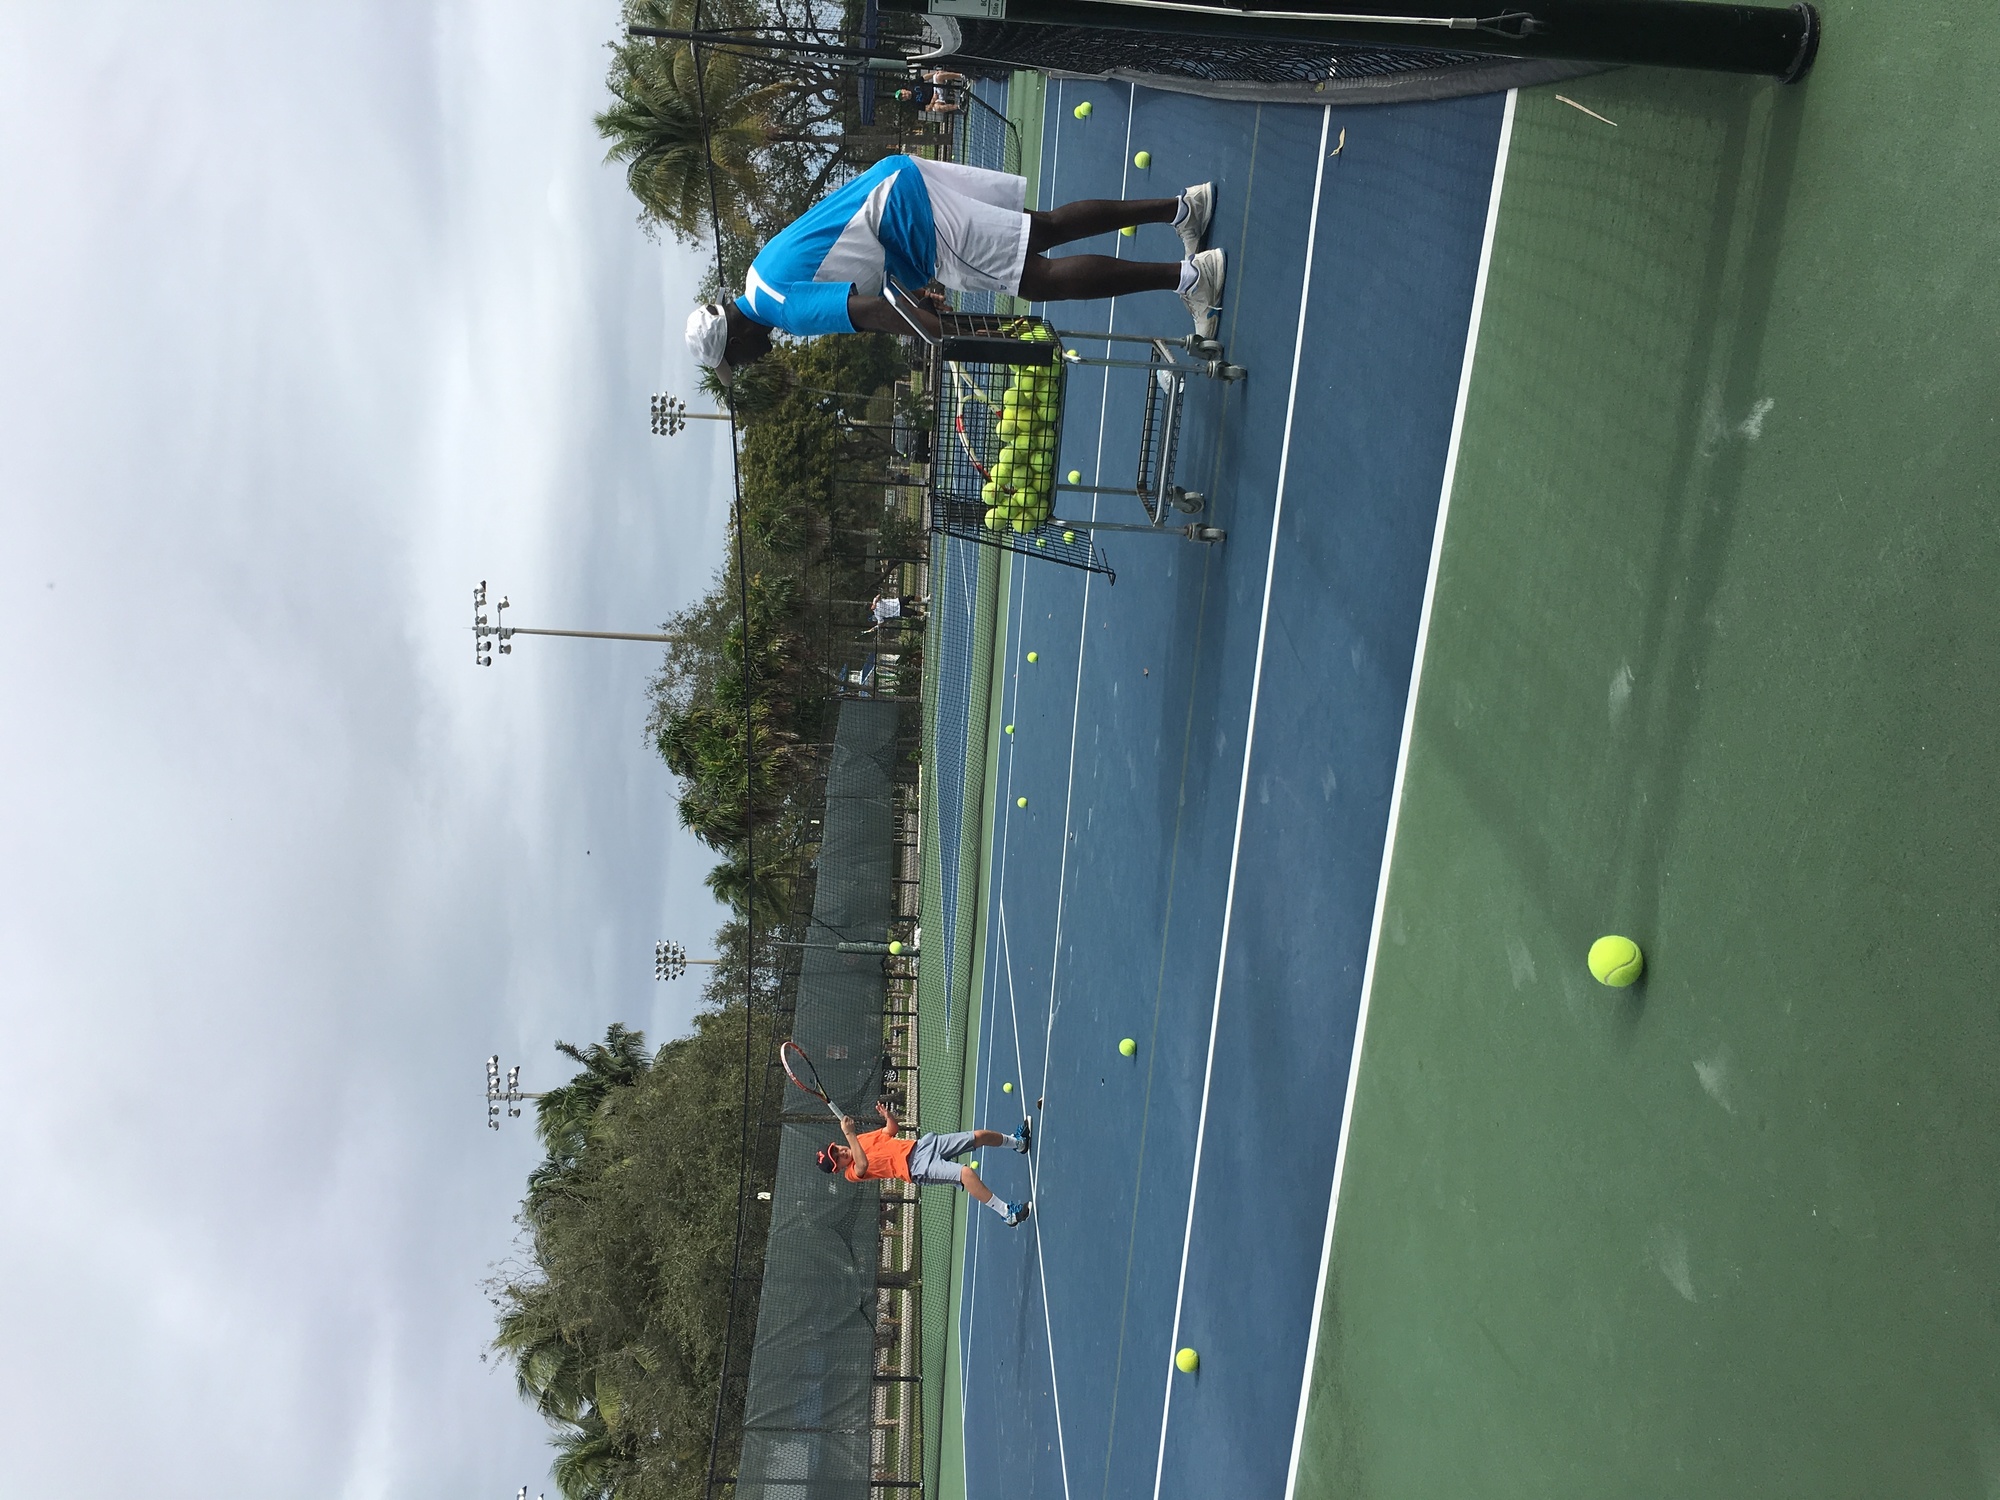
[{"x": 982, "y": 226}]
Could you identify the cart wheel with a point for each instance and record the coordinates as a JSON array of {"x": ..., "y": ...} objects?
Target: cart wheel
[
  {"x": 1205, "y": 348},
  {"x": 1233, "y": 372},
  {"x": 1196, "y": 532},
  {"x": 1188, "y": 502}
]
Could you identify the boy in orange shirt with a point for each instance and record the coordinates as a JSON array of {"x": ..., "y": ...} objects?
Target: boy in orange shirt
[{"x": 879, "y": 1155}]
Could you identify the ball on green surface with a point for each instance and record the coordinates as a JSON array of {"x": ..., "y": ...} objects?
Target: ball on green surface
[
  {"x": 1615, "y": 961},
  {"x": 1082, "y": 111},
  {"x": 1034, "y": 656},
  {"x": 1006, "y": 1088},
  {"x": 1187, "y": 1361},
  {"x": 1020, "y": 801},
  {"x": 1142, "y": 159},
  {"x": 1128, "y": 1048}
]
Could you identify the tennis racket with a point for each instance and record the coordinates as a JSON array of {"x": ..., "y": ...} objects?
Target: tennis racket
[{"x": 799, "y": 1068}]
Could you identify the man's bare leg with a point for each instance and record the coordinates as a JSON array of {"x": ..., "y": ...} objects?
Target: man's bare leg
[
  {"x": 1088, "y": 216},
  {"x": 1069, "y": 278}
]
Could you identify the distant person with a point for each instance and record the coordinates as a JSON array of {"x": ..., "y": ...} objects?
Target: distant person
[
  {"x": 880, "y": 1156},
  {"x": 966, "y": 227},
  {"x": 945, "y": 94},
  {"x": 887, "y": 607}
]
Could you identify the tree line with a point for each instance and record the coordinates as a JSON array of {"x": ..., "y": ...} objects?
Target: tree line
[{"x": 612, "y": 1316}]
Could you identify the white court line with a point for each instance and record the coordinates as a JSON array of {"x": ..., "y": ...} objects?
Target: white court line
[
  {"x": 968, "y": 1319},
  {"x": 1243, "y": 790},
  {"x": 1402, "y": 767}
]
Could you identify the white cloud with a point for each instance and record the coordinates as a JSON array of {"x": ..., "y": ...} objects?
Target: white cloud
[{"x": 308, "y": 320}]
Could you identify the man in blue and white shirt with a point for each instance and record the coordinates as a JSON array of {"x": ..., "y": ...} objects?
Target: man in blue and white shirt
[{"x": 922, "y": 221}]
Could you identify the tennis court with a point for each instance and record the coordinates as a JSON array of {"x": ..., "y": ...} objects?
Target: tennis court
[{"x": 1706, "y": 663}]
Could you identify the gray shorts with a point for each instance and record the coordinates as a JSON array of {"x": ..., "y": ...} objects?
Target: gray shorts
[{"x": 931, "y": 1158}]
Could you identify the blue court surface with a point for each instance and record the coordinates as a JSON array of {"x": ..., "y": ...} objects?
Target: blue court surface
[{"x": 1153, "y": 887}]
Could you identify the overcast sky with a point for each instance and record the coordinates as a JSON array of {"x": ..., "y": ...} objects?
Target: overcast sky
[{"x": 310, "y": 318}]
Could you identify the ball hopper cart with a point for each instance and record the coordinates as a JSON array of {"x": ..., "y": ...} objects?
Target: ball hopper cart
[{"x": 999, "y": 384}]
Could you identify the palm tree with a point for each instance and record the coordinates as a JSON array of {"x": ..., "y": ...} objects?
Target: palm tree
[
  {"x": 733, "y": 883},
  {"x": 564, "y": 1116},
  {"x": 549, "y": 1370},
  {"x": 655, "y": 128}
]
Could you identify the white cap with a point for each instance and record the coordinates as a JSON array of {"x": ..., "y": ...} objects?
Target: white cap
[{"x": 708, "y": 338}]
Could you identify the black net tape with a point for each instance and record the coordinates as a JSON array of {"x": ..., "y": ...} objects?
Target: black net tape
[
  {"x": 1094, "y": 50},
  {"x": 1241, "y": 68}
]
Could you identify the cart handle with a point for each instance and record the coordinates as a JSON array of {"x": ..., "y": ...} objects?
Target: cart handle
[{"x": 970, "y": 348}]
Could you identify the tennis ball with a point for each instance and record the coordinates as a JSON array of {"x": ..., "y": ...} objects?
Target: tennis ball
[
  {"x": 996, "y": 518},
  {"x": 1034, "y": 656},
  {"x": 1010, "y": 728},
  {"x": 1129, "y": 230},
  {"x": 1069, "y": 536},
  {"x": 1142, "y": 159},
  {"x": 895, "y": 948},
  {"x": 1006, "y": 1088},
  {"x": 1076, "y": 476},
  {"x": 1616, "y": 961},
  {"x": 1082, "y": 111},
  {"x": 1020, "y": 801},
  {"x": 1128, "y": 1048},
  {"x": 1187, "y": 1361}
]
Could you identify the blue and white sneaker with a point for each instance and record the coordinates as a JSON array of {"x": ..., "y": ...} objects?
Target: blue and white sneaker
[
  {"x": 1023, "y": 1138},
  {"x": 1200, "y": 201},
  {"x": 1204, "y": 298},
  {"x": 1016, "y": 1212}
]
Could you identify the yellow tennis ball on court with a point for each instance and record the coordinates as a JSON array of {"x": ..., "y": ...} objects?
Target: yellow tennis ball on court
[
  {"x": 1006, "y": 1088},
  {"x": 1010, "y": 728},
  {"x": 1076, "y": 476},
  {"x": 1128, "y": 1048},
  {"x": 1082, "y": 111},
  {"x": 1616, "y": 961},
  {"x": 1129, "y": 230},
  {"x": 1020, "y": 801},
  {"x": 1034, "y": 656},
  {"x": 1142, "y": 159},
  {"x": 1187, "y": 1361}
]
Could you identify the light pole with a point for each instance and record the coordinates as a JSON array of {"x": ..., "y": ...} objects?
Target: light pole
[
  {"x": 671, "y": 414},
  {"x": 495, "y": 633},
  {"x": 670, "y": 960},
  {"x": 507, "y": 1092}
]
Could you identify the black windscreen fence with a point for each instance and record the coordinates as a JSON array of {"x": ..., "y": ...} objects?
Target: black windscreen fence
[{"x": 808, "y": 1421}]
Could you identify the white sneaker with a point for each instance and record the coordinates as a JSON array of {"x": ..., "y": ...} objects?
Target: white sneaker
[
  {"x": 1204, "y": 298},
  {"x": 1200, "y": 201}
]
